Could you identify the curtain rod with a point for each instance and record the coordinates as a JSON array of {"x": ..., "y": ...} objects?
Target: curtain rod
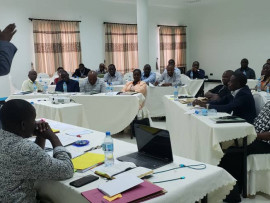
[
  {"x": 119, "y": 23},
  {"x": 172, "y": 25},
  {"x": 55, "y": 20}
]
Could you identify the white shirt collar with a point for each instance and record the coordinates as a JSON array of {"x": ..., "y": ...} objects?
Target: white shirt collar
[{"x": 234, "y": 93}]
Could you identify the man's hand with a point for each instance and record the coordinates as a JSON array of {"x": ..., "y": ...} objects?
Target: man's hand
[
  {"x": 43, "y": 130},
  {"x": 198, "y": 102},
  {"x": 8, "y": 32},
  {"x": 194, "y": 69}
]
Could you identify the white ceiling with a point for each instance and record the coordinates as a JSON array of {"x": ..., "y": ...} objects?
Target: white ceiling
[{"x": 168, "y": 3}]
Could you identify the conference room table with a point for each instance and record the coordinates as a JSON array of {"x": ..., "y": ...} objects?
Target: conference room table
[
  {"x": 198, "y": 137},
  {"x": 102, "y": 112},
  {"x": 71, "y": 113},
  {"x": 212, "y": 181}
]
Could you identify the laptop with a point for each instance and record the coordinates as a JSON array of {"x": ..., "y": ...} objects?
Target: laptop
[{"x": 154, "y": 148}]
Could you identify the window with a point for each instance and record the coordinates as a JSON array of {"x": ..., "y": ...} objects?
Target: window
[
  {"x": 57, "y": 43},
  {"x": 121, "y": 46},
  {"x": 172, "y": 45}
]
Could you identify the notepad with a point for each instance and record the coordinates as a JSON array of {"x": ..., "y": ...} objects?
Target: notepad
[
  {"x": 119, "y": 185},
  {"x": 122, "y": 168},
  {"x": 87, "y": 160}
]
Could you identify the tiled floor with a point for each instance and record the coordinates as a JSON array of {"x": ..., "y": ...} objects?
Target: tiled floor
[{"x": 259, "y": 198}]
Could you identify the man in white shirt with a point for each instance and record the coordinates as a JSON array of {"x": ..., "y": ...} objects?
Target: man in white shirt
[
  {"x": 93, "y": 84},
  {"x": 113, "y": 77},
  {"x": 28, "y": 85},
  {"x": 169, "y": 78}
]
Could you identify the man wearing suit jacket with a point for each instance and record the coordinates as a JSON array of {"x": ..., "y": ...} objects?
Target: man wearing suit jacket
[
  {"x": 7, "y": 49},
  {"x": 81, "y": 72},
  {"x": 240, "y": 102}
]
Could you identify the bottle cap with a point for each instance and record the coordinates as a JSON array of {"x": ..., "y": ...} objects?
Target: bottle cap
[{"x": 108, "y": 133}]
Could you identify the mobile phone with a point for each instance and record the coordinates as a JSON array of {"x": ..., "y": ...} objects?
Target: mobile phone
[{"x": 83, "y": 181}]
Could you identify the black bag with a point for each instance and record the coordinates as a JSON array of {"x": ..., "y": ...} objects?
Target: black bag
[{"x": 144, "y": 121}]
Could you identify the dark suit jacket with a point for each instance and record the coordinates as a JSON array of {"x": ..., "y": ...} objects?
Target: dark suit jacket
[
  {"x": 242, "y": 105},
  {"x": 7, "y": 52},
  {"x": 72, "y": 86},
  {"x": 78, "y": 72}
]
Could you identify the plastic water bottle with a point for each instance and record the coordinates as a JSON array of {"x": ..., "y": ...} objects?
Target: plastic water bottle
[
  {"x": 259, "y": 85},
  {"x": 108, "y": 88},
  {"x": 35, "y": 88},
  {"x": 111, "y": 87},
  {"x": 267, "y": 89},
  {"x": 40, "y": 80},
  {"x": 175, "y": 93},
  {"x": 191, "y": 74},
  {"x": 65, "y": 87},
  {"x": 45, "y": 88},
  {"x": 108, "y": 150},
  {"x": 77, "y": 78}
]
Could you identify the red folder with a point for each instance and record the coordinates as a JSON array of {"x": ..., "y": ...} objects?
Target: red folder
[{"x": 142, "y": 192}]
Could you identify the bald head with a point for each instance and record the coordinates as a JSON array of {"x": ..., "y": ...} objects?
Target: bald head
[
  {"x": 32, "y": 75},
  {"x": 92, "y": 77}
]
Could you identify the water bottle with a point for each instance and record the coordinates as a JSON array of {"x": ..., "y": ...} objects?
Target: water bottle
[
  {"x": 175, "y": 93},
  {"x": 35, "y": 88},
  {"x": 108, "y": 150},
  {"x": 267, "y": 89},
  {"x": 191, "y": 75},
  {"x": 111, "y": 87},
  {"x": 259, "y": 85},
  {"x": 108, "y": 88},
  {"x": 45, "y": 88},
  {"x": 40, "y": 80},
  {"x": 65, "y": 87},
  {"x": 77, "y": 78}
]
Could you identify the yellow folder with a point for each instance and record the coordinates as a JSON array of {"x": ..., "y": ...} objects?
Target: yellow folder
[{"x": 87, "y": 160}]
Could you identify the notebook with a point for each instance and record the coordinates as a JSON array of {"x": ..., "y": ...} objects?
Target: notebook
[
  {"x": 154, "y": 148},
  {"x": 228, "y": 119},
  {"x": 139, "y": 193}
]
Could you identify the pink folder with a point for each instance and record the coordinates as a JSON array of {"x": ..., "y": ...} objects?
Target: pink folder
[{"x": 145, "y": 190}]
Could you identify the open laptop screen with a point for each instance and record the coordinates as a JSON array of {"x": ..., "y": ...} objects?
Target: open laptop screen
[{"x": 153, "y": 141}]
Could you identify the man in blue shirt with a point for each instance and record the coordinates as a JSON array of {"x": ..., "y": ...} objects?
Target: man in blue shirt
[
  {"x": 7, "y": 49},
  {"x": 72, "y": 85},
  {"x": 148, "y": 76}
]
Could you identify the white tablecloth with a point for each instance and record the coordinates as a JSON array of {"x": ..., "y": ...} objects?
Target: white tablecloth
[
  {"x": 252, "y": 83},
  {"x": 197, "y": 137},
  {"x": 71, "y": 113},
  {"x": 261, "y": 98},
  {"x": 214, "y": 181},
  {"x": 102, "y": 112},
  {"x": 193, "y": 86}
]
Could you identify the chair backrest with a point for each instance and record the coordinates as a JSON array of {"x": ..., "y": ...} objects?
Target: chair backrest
[
  {"x": 128, "y": 76},
  {"x": 157, "y": 75},
  {"x": 43, "y": 75}
]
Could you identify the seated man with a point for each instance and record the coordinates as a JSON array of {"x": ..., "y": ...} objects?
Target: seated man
[
  {"x": 72, "y": 85},
  {"x": 28, "y": 85},
  {"x": 7, "y": 49},
  {"x": 93, "y": 84},
  {"x": 248, "y": 72},
  {"x": 169, "y": 78},
  {"x": 102, "y": 69},
  {"x": 24, "y": 162},
  {"x": 113, "y": 77},
  {"x": 196, "y": 72},
  {"x": 220, "y": 91},
  {"x": 81, "y": 72},
  {"x": 148, "y": 76},
  {"x": 232, "y": 162},
  {"x": 136, "y": 85},
  {"x": 56, "y": 80},
  {"x": 176, "y": 70},
  {"x": 265, "y": 77},
  {"x": 240, "y": 102}
]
